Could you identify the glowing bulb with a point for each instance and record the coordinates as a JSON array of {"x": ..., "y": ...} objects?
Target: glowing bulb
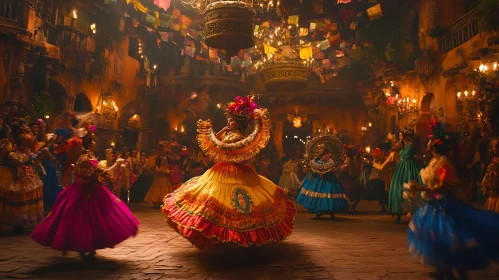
[
  {"x": 155, "y": 66},
  {"x": 75, "y": 14},
  {"x": 47, "y": 117},
  {"x": 219, "y": 105}
]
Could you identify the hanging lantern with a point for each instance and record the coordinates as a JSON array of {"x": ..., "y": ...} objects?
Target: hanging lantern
[
  {"x": 107, "y": 107},
  {"x": 229, "y": 26},
  {"x": 285, "y": 76}
]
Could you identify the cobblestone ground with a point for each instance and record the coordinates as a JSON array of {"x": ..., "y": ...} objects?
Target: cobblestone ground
[{"x": 363, "y": 246}]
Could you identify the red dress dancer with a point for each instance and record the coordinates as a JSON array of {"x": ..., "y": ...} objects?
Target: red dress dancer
[
  {"x": 86, "y": 216},
  {"x": 231, "y": 203}
]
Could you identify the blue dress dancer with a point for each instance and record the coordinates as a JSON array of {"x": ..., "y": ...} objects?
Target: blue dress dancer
[
  {"x": 445, "y": 232},
  {"x": 321, "y": 192}
]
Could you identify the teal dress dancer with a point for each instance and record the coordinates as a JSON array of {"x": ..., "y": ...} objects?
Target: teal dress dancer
[
  {"x": 322, "y": 194},
  {"x": 407, "y": 170}
]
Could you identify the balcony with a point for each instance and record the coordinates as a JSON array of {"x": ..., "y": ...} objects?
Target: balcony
[
  {"x": 64, "y": 36},
  {"x": 459, "y": 32},
  {"x": 10, "y": 9}
]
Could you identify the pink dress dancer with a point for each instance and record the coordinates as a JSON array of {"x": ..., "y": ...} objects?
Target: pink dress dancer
[
  {"x": 86, "y": 215},
  {"x": 164, "y": 4}
]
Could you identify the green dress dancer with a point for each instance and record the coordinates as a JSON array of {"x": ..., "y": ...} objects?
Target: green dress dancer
[{"x": 407, "y": 170}]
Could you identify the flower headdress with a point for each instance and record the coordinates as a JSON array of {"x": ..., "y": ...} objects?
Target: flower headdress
[{"x": 242, "y": 109}]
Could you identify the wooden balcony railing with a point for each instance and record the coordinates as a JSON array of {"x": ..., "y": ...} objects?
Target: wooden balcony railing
[
  {"x": 459, "y": 32},
  {"x": 10, "y": 9},
  {"x": 64, "y": 36}
]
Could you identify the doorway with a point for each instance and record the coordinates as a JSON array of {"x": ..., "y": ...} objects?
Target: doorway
[
  {"x": 294, "y": 139},
  {"x": 131, "y": 132}
]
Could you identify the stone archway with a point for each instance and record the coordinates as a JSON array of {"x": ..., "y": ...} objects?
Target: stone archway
[
  {"x": 82, "y": 103},
  {"x": 428, "y": 103},
  {"x": 427, "y": 108},
  {"x": 136, "y": 135},
  {"x": 58, "y": 96}
]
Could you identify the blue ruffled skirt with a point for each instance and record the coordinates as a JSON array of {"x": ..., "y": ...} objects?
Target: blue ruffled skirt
[
  {"x": 51, "y": 187},
  {"x": 449, "y": 233},
  {"x": 322, "y": 195}
]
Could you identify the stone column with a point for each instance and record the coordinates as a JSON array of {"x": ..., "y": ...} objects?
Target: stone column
[
  {"x": 17, "y": 96},
  {"x": 278, "y": 137}
]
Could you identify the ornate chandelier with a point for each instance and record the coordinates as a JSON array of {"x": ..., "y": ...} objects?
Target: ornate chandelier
[
  {"x": 107, "y": 107},
  {"x": 298, "y": 119},
  {"x": 284, "y": 65}
]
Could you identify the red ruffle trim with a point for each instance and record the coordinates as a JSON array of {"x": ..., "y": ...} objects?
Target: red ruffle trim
[{"x": 202, "y": 233}]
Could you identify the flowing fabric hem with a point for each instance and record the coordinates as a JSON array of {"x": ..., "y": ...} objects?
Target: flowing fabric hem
[
  {"x": 83, "y": 223},
  {"x": 492, "y": 204},
  {"x": 202, "y": 233}
]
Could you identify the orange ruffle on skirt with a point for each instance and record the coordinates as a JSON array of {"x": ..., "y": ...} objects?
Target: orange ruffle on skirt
[
  {"x": 230, "y": 203},
  {"x": 492, "y": 204}
]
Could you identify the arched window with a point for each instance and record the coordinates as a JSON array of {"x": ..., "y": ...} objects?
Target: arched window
[{"x": 82, "y": 103}]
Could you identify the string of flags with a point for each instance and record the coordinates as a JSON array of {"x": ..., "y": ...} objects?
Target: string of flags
[{"x": 327, "y": 40}]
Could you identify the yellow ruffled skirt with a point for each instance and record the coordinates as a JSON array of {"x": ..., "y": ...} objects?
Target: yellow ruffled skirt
[
  {"x": 230, "y": 203},
  {"x": 160, "y": 187},
  {"x": 492, "y": 203},
  {"x": 21, "y": 201}
]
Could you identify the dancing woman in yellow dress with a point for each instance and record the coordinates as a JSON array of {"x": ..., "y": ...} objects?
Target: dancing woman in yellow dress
[{"x": 230, "y": 202}]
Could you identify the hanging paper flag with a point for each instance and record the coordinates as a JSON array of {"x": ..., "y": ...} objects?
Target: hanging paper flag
[
  {"x": 333, "y": 38},
  {"x": 189, "y": 51},
  {"x": 266, "y": 24},
  {"x": 257, "y": 28},
  {"x": 165, "y": 20},
  {"x": 315, "y": 50},
  {"x": 156, "y": 21},
  {"x": 375, "y": 12},
  {"x": 293, "y": 20},
  {"x": 319, "y": 55},
  {"x": 332, "y": 26},
  {"x": 312, "y": 26},
  {"x": 186, "y": 20},
  {"x": 269, "y": 50},
  {"x": 303, "y": 32},
  {"x": 247, "y": 63},
  {"x": 306, "y": 52},
  {"x": 164, "y": 4},
  {"x": 344, "y": 1},
  {"x": 176, "y": 13},
  {"x": 150, "y": 19},
  {"x": 353, "y": 25},
  {"x": 175, "y": 26},
  {"x": 324, "y": 45},
  {"x": 320, "y": 24}
]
